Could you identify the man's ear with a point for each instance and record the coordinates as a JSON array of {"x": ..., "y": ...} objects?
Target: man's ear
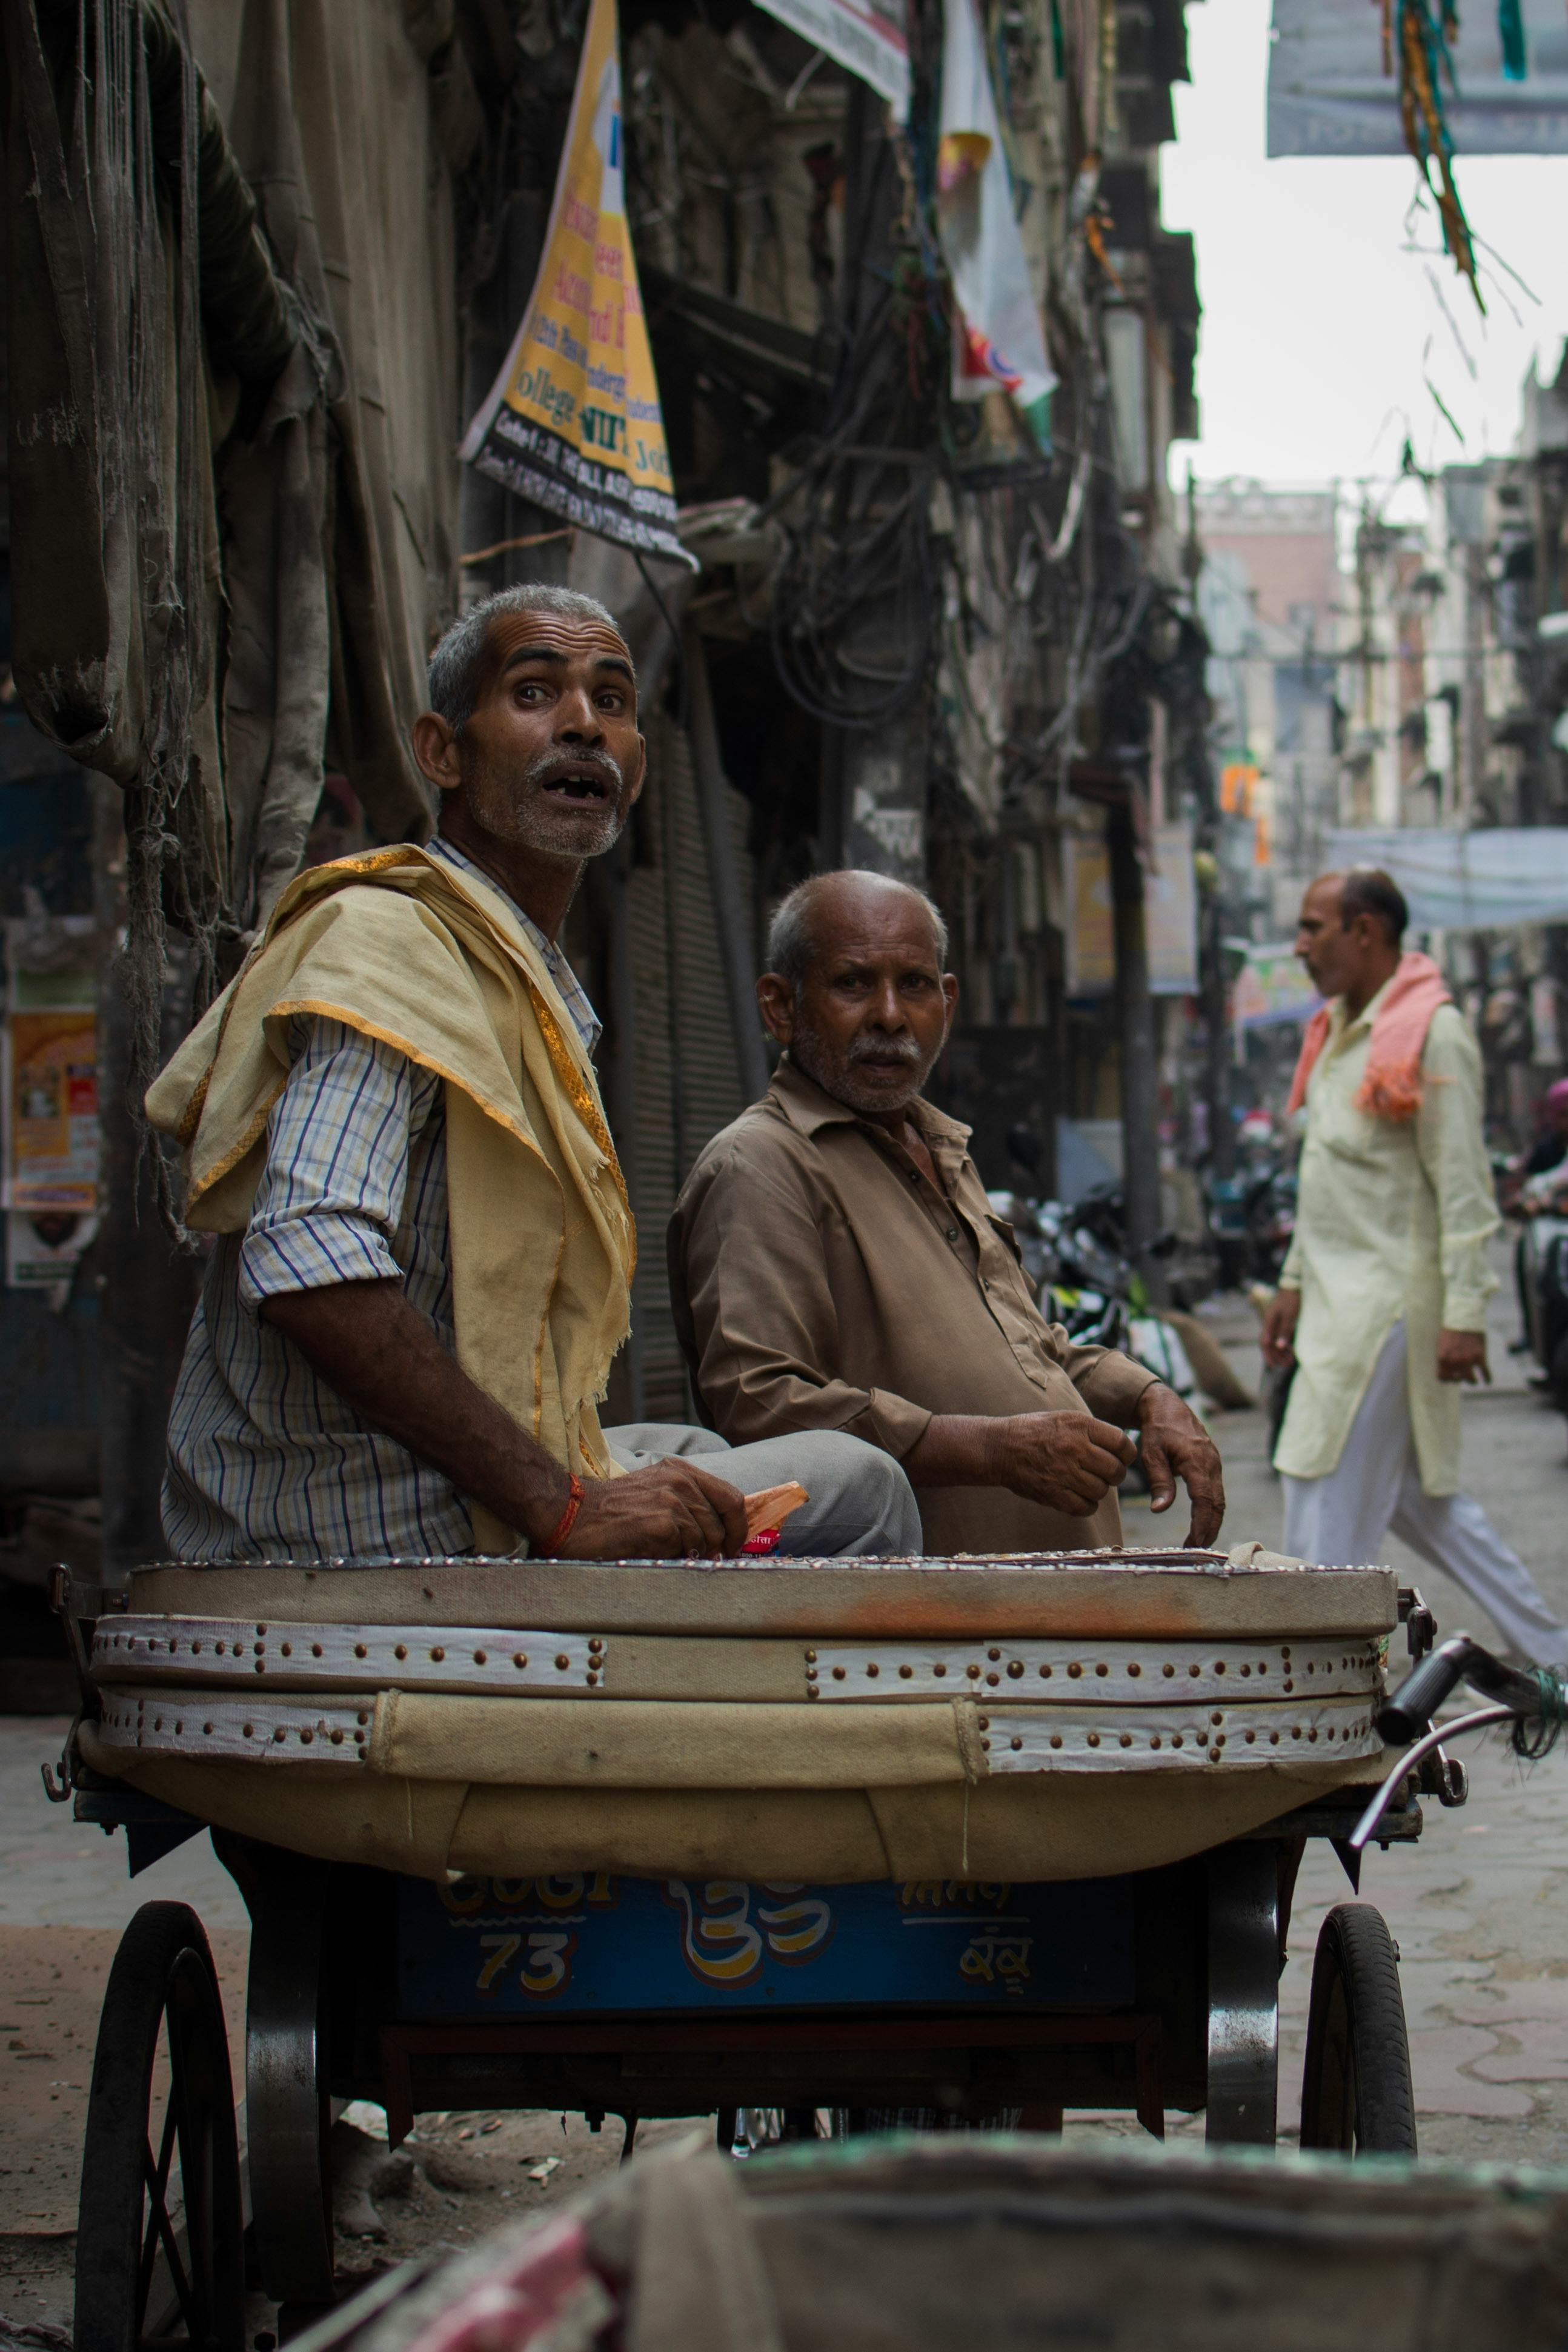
[
  {"x": 641, "y": 778},
  {"x": 949, "y": 997},
  {"x": 435, "y": 749},
  {"x": 775, "y": 1003}
]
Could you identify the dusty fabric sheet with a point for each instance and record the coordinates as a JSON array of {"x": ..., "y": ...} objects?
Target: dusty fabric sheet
[
  {"x": 233, "y": 476},
  {"x": 1038, "y": 1828},
  {"x": 976, "y": 2237}
]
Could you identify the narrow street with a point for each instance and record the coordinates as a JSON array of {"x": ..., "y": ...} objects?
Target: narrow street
[
  {"x": 1480, "y": 1906},
  {"x": 1478, "y": 1910}
]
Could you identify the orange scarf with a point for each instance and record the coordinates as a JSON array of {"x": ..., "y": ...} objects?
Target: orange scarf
[{"x": 1392, "y": 1085}]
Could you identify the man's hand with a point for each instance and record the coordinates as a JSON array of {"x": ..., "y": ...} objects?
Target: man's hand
[
  {"x": 1067, "y": 1460},
  {"x": 367, "y": 1341},
  {"x": 1277, "y": 1338},
  {"x": 672, "y": 1510},
  {"x": 1177, "y": 1445},
  {"x": 1462, "y": 1355}
]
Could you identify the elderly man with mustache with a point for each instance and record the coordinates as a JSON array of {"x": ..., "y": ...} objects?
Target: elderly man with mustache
[
  {"x": 424, "y": 1249},
  {"x": 835, "y": 1264}
]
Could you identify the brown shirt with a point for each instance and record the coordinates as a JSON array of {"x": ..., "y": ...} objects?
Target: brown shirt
[{"x": 820, "y": 1281}]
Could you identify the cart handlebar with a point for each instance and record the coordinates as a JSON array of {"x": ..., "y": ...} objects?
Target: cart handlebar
[
  {"x": 1538, "y": 1697},
  {"x": 1406, "y": 1715}
]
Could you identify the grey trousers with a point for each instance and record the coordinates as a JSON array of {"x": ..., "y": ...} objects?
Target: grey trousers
[{"x": 861, "y": 1503}]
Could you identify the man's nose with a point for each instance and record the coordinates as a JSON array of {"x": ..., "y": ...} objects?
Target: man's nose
[
  {"x": 887, "y": 1012},
  {"x": 576, "y": 720}
]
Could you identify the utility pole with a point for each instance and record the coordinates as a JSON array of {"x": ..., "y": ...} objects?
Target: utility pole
[
  {"x": 1136, "y": 1029},
  {"x": 874, "y": 779}
]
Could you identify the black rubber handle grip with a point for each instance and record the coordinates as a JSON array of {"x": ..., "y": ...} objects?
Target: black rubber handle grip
[{"x": 1407, "y": 1714}]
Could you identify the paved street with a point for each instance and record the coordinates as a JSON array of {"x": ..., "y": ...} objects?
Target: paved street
[{"x": 1479, "y": 1909}]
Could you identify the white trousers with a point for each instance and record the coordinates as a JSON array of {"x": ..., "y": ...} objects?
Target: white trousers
[{"x": 1339, "y": 1521}]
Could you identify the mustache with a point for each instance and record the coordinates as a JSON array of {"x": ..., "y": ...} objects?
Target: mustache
[
  {"x": 883, "y": 1049},
  {"x": 551, "y": 764}
]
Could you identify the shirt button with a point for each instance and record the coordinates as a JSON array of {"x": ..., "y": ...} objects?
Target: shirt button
[{"x": 952, "y": 1233}]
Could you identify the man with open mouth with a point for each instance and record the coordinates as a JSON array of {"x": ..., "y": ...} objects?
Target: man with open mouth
[{"x": 423, "y": 1254}]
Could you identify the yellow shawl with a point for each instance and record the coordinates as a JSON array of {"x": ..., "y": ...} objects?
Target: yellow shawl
[{"x": 405, "y": 947}]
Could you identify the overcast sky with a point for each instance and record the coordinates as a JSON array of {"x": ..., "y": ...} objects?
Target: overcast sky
[{"x": 1319, "y": 325}]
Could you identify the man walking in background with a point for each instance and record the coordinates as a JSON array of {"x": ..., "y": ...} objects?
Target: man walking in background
[{"x": 1381, "y": 1300}]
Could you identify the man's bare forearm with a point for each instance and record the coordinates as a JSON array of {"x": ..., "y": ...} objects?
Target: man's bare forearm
[{"x": 367, "y": 1342}]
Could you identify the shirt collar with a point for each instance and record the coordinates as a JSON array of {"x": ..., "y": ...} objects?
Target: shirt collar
[
  {"x": 1344, "y": 1026},
  {"x": 569, "y": 989},
  {"x": 809, "y": 1108}
]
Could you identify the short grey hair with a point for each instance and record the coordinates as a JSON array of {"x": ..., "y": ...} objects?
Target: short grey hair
[
  {"x": 792, "y": 941},
  {"x": 457, "y": 665}
]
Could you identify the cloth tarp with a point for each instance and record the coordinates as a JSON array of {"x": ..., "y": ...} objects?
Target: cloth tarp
[
  {"x": 1466, "y": 881},
  {"x": 1034, "y": 1827}
]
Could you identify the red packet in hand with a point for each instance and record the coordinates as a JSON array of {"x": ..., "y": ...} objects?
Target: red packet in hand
[{"x": 765, "y": 1515}]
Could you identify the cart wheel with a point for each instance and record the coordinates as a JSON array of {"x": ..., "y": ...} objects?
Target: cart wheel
[
  {"x": 1356, "y": 2092},
  {"x": 151, "y": 2267}
]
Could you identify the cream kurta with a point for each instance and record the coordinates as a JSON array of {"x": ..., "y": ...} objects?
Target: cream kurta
[{"x": 1392, "y": 1225}]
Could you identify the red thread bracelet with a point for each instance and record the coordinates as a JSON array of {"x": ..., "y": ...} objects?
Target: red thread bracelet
[{"x": 568, "y": 1518}]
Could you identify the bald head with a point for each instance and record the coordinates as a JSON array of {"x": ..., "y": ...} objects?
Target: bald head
[
  {"x": 826, "y": 904},
  {"x": 857, "y": 988},
  {"x": 1348, "y": 933}
]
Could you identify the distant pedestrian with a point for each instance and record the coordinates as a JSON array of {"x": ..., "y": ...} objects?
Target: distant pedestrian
[{"x": 1381, "y": 1299}]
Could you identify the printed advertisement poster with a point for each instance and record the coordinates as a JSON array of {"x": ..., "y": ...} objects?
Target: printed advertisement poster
[
  {"x": 1091, "y": 942},
  {"x": 1272, "y": 989},
  {"x": 572, "y": 421},
  {"x": 53, "y": 1139},
  {"x": 1169, "y": 915}
]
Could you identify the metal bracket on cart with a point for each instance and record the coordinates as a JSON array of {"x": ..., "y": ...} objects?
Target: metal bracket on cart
[
  {"x": 1419, "y": 1623},
  {"x": 74, "y": 1604}
]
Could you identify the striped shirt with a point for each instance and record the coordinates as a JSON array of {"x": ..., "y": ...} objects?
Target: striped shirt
[{"x": 266, "y": 1461}]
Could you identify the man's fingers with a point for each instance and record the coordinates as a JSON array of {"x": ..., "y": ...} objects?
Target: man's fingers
[
  {"x": 723, "y": 1508},
  {"x": 1157, "y": 1467}
]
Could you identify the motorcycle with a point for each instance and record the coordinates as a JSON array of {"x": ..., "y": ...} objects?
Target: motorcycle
[
  {"x": 1252, "y": 1220},
  {"x": 1542, "y": 1274},
  {"x": 1075, "y": 1253}
]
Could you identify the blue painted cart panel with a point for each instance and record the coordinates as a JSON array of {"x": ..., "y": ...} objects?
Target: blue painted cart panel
[{"x": 519, "y": 1947}]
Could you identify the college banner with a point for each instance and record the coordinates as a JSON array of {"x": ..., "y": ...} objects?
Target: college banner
[
  {"x": 572, "y": 421},
  {"x": 866, "y": 37}
]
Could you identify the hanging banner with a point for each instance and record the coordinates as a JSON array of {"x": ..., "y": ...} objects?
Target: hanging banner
[
  {"x": 572, "y": 421},
  {"x": 1328, "y": 95},
  {"x": 868, "y": 40},
  {"x": 998, "y": 343}
]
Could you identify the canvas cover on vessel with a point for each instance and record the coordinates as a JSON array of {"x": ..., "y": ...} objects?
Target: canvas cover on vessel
[{"x": 1068, "y": 1716}]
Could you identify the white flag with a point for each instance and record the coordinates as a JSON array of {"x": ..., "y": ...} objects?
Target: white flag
[{"x": 998, "y": 343}]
